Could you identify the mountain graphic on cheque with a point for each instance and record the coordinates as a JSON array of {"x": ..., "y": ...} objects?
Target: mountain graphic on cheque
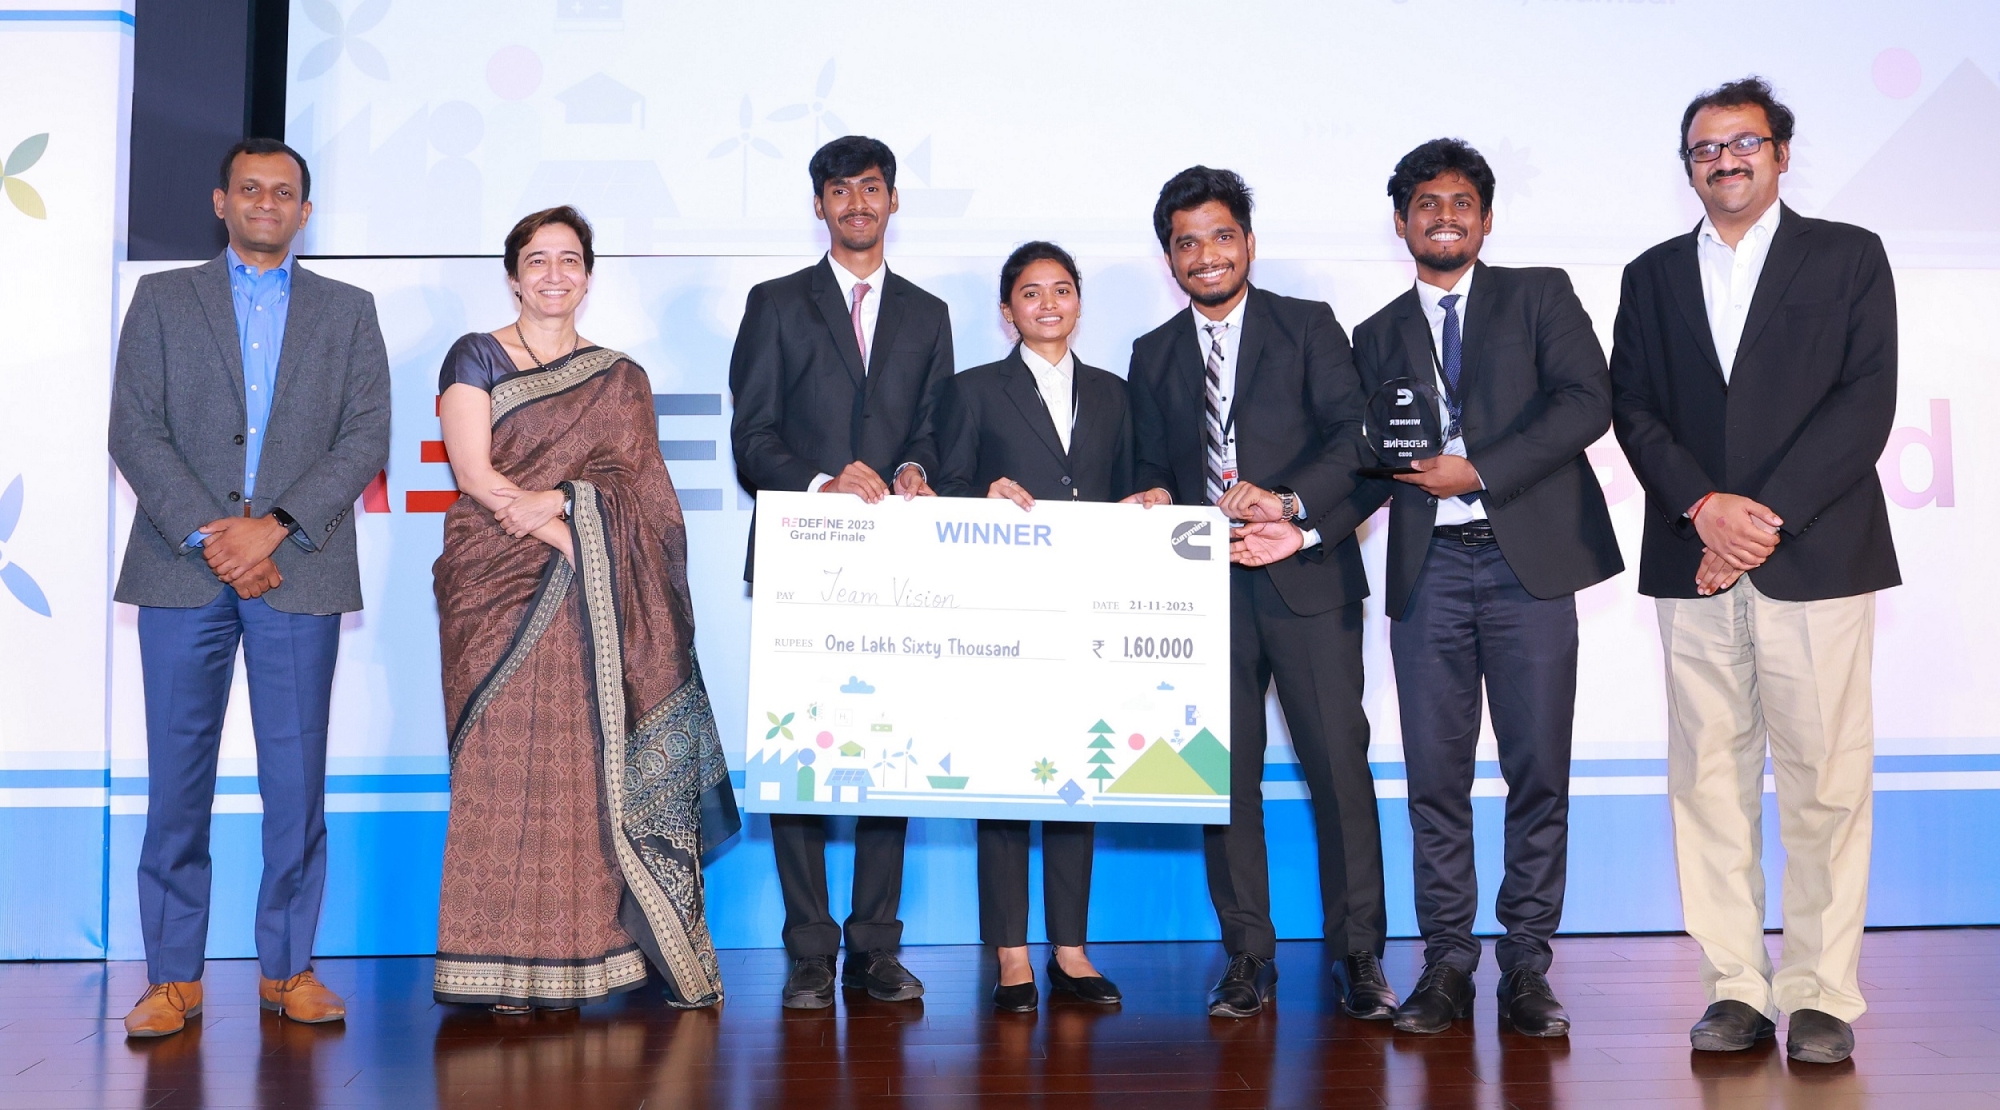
[
  {"x": 1209, "y": 759},
  {"x": 1161, "y": 770}
]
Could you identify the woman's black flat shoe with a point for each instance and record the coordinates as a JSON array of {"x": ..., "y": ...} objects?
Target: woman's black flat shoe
[
  {"x": 1090, "y": 988},
  {"x": 1021, "y": 998}
]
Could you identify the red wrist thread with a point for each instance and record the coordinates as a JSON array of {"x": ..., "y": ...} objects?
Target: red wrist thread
[{"x": 1696, "y": 511}]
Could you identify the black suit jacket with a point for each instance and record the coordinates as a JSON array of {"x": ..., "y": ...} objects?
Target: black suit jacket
[
  {"x": 1298, "y": 405},
  {"x": 1535, "y": 395},
  {"x": 1799, "y": 425},
  {"x": 805, "y": 406},
  {"x": 993, "y": 423}
]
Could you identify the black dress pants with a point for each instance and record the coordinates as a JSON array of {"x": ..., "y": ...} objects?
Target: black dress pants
[
  {"x": 799, "y": 841},
  {"x": 1316, "y": 661},
  {"x": 1469, "y": 618},
  {"x": 1003, "y": 881}
]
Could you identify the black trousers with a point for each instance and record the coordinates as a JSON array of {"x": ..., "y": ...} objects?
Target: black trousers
[
  {"x": 1316, "y": 661},
  {"x": 799, "y": 841},
  {"x": 1003, "y": 881},
  {"x": 1469, "y": 619}
]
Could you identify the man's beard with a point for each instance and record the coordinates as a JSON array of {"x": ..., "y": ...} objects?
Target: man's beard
[
  {"x": 1220, "y": 296},
  {"x": 865, "y": 243},
  {"x": 1443, "y": 258}
]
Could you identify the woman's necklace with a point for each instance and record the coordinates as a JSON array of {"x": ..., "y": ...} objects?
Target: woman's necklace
[{"x": 539, "y": 365}]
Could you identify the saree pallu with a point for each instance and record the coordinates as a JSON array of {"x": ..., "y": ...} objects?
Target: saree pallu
[{"x": 587, "y": 775}]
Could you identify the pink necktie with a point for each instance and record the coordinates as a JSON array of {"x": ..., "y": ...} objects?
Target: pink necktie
[{"x": 854, "y": 314}]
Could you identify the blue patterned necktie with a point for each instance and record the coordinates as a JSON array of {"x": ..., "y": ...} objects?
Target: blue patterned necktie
[{"x": 1454, "y": 361}]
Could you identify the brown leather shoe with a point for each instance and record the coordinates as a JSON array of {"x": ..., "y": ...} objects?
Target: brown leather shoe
[
  {"x": 163, "y": 1009},
  {"x": 302, "y": 998}
]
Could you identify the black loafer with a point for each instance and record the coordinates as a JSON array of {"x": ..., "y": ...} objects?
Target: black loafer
[
  {"x": 1364, "y": 990},
  {"x": 810, "y": 985},
  {"x": 1021, "y": 998},
  {"x": 1249, "y": 983},
  {"x": 1444, "y": 994},
  {"x": 1730, "y": 1026},
  {"x": 1529, "y": 1005},
  {"x": 1090, "y": 988},
  {"x": 882, "y": 975},
  {"x": 1817, "y": 1037}
]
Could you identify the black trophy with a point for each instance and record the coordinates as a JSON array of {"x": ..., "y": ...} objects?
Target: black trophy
[{"x": 1404, "y": 424}]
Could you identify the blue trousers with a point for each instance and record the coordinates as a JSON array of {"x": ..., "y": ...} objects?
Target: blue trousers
[
  {"x": 188, "y": 657},
  {"x": 1469, "y": 623}
]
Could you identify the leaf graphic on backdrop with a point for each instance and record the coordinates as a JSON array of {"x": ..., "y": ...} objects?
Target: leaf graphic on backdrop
[
  {"x": 10, "y": 507},
  {"x": 324, "y": 16},
  {"x": 25, "y": 154},
  {"x": 319, "y": 59},
  {"x": 25, "y": 198},
  {"x": 366, "y": 16},
  {"x": 368, "y": 60},
  {"x": 24, "y": 588}
]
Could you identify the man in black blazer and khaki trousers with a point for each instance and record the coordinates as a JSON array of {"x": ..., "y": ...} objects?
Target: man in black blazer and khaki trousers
[
  {"x": 835, "y": 374},
  {"x": 1753, "y": 374},
  {"x": 1488, "y": 544},
  {"x": 1250, "y": 401}
]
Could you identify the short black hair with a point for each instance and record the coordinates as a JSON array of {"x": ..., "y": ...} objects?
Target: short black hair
[
  {"x": 1433, "y": 160},
  {"x": 1743, "y": 92},
  {"x": 1194, "y": 187},
  {"x": 848, "y": 156},
  {"x": 266, "y": 146},
  {"x": 1027, "y": 254},
  {"x": 525, "y": 228}
]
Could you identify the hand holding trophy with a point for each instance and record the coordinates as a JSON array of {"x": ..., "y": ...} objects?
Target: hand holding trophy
[{"x": 1404, "y": 423}]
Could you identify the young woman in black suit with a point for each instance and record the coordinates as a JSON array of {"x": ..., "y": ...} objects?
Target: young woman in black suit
[{"x": 1037, "y": 424}]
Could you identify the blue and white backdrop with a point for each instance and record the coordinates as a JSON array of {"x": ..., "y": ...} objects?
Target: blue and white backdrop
[{"x": 683, "y": 131}]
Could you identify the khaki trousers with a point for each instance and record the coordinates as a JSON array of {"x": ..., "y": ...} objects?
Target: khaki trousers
[{"x": 1744, "y": 670}]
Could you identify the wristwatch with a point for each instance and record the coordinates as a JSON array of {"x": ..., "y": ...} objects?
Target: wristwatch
[
  {"x": 285, "y": 518},
  {"x": 1288, "y": 504}
]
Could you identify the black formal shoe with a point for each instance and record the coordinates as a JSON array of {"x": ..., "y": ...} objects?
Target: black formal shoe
[
  {"x": 1730, "y": 1026},
  {"x": 1443, "y": 995},
  {"x": 1021, "y": 998},
  {"x": 1817, "y": 1037},
  {"x": 810, "y": 985},
  {"x": 1364, "y": 990},
  {"x": 1529, "y": 1005},
  {"x": 882, "y": 975},
  {"x": 1243, "y": 989},
  {"x": 1090, "y": 988}
]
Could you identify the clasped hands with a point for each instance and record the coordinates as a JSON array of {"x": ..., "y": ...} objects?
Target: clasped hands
[
  {"x": 860, "y": 479},
  {"x": 1263, "y": 534},
  {"x": 238, "y": 550},
  {"x": 1737, "y": 535}
]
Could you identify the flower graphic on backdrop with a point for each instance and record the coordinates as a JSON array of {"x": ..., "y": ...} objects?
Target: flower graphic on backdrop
[
  {"x": 1044, "y": 772},
  {"x": 824, "y": 121},
  {"x": 18, "y": 582},
  {"x": 346, "y": 38},
  {"x": 25, "y": 154},
  {"x": 779, "y": 725},
  {"x": 745, "y": 142}
]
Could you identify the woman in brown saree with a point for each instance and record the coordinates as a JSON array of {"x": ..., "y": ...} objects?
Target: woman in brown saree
[{"x": 586, "y": 774}]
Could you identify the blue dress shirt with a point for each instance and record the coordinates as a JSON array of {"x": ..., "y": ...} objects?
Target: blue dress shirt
[{"x": 261, "y": 301}]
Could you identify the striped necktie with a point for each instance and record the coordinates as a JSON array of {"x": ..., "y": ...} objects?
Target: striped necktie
[{"x": 1212, "y": 410}]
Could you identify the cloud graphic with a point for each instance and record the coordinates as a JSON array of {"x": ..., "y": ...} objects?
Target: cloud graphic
[
  {"x": 854, "y": 685},
  {"x": 1164, "y": 686}
]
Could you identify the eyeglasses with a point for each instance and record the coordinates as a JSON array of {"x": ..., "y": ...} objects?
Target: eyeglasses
[{"x": 1743, "y": 146}]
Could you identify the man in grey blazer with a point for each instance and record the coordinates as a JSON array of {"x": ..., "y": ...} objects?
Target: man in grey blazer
[{"x": 250, "y": 408}]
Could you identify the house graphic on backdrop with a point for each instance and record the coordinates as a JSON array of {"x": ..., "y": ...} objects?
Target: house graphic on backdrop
[{"x": 849, "y": 784}]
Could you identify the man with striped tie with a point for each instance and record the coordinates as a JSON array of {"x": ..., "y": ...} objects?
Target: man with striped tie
[{"x": 1250, "y": 401}]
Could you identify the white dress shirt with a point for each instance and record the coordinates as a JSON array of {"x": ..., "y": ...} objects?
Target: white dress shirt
[
  {"x": 1229, "y": 329},
  {"x": 1450, "y": 509},
  {"x": 1729, "y": 280},
  {"x": 1057, "y": 385},
  {"x": 871, "y": 310}
]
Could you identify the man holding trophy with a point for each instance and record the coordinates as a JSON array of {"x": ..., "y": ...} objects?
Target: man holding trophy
[{"x": 1487, "y": 385}]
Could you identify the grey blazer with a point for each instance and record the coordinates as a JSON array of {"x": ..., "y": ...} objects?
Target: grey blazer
[{"x": 177, "y": 424}]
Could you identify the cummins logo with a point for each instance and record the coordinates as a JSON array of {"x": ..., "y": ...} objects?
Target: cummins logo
[{"x": 1184, "y": 540}]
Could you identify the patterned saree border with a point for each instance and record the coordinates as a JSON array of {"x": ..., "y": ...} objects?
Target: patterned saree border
[
  {"x": 692, "y": 980},
  {"x": 528, "y": 388},
  {"x": 548, "y": 601},
  {"x": 510, "y": 979}
]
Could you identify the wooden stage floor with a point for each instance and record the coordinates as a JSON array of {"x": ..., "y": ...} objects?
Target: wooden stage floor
[{"x": 1931, "y": 1040}]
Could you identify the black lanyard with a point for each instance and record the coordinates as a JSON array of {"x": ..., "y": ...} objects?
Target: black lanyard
[{"x": 1452, "y": 403}]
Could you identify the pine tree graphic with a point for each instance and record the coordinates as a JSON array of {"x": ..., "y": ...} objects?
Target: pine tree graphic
[{"x": 1101, "y": 760}]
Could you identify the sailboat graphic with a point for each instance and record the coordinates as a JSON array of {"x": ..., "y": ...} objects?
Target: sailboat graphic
[{"x": 947, "y": 781}]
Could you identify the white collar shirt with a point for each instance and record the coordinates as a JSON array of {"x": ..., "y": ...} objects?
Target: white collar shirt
[
  {"x": 1229, "y": 330},
  {"x": 1729, "y": 280},
  {"x": 871, "y": 303},
  {"x": 1451, "y": 510},
  {"x": 1056, "y": 383}
]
